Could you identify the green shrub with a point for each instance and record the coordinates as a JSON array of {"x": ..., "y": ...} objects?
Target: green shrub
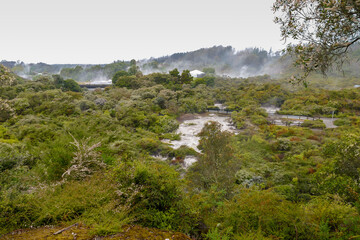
[
  {"x": 71, "y": 85},
  {"x": 164, "y": 124},
  {"x": 259, "y": 120},
  {"x": 313, "y": 124},
  {"x": 154, "y": 192},
  {"x": 254, "y": 210},
  {"x": 56, "y": 157},
  {"x": 86, "y": 105},
  {"x": 6, "y": 110},
  {"x": 342, "y": 122},
  {"x": 12, "y": 155},
  {"x": 93, "y": 202},
  {"x": 334, "y": 219},
  {"x": 17, "y": 212},
  {"x": 266, "y": 212},
  {"x": 283, "y": 144},
  {"x": 148, "y": 144}
]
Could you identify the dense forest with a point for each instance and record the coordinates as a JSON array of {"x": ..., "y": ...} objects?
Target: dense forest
[{"x": 73, "y": 156}]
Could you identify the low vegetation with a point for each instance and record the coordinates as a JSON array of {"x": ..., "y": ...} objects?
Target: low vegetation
[{"x": 69, "y": 155}]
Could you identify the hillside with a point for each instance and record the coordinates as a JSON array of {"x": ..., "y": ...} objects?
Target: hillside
[{"x": 223, "y": 61}]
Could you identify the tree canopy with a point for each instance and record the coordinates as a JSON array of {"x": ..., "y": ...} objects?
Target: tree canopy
[{"x": 325, "y": 30}]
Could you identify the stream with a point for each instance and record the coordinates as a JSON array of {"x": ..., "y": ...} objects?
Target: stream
[
  {"x": 295, "y": 120},
  {"x": 192, "y": 124}
]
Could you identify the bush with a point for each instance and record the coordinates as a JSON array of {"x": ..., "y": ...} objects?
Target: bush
[
  {"x": 164, "y": 124},
  {"x": 12, "y": 155},
  {"x": 85, "y": 105},
  {"x": 283, "y": 144},
  {"x": 254, "y": 210},
  {"x": 326, "y": 219},
  {"x": 93, "y": 202},
  {"x": 154, "y": 191},
  {"x": 56, "y": 160},
  {"x": 342, "y": 122},
  {"x": 17, "y": 212},
  {"x": 71, "y": 85},
  {"x": 127, "y": 81},
  {"x": 313, "y": 124},
  {"x": 148, "y": 144},
  {"x": 266, "y": 212},
  {"x": 6, "y": 111}
]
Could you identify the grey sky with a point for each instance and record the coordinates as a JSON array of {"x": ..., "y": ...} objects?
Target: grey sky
[{"x": 87, "y": 31}]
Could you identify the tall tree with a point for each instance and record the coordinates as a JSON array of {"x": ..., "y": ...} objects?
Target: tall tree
[
  {"x": 175, "y": 73},
  {"x": 186, "y": 77},
  {"x": 216, "y": 166}
]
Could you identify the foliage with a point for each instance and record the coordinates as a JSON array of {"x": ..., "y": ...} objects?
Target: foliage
[
  {"x": 126, "y": 81},
  {"x": 154, "y": 192},
  {"x": 342, "y": 122},
  {"x": 186, "y": 77},
  {"x": 254, "y": 211},
  {"x": 6, "y": 111},
  {"x": 175, "y": 73},
  {"x": 91, "y": 72},
  {"x": 264, "y": 182},
  {"x": 348, "y": 161},
  {"x": 71, "y": 85},
  {"x": 216, "y": 165},
  {"x": 6, "y": 77},
  {"x": 117, "y": 75},
  {"x": 313, "y": 124},
  {"x": 325, "y": 29}
]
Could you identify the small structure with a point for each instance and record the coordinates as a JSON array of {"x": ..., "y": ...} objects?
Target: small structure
[
  {"x": 197, "y": 74},
  {"x": 356, "y": 86},
  {"x": 96, "y": 84}
]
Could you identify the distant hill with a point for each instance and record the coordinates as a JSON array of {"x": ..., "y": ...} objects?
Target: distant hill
[
  {"x": 32, "y": 69},
  {"x": 224, "y": 60},
  {"x": 79, "y": 72}
]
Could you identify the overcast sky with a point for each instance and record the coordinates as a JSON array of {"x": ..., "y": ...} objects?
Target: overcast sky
[{"x": 88, "y": 31}]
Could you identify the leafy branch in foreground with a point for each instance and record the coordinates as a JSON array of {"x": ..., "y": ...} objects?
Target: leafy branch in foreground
[{"x": 325, "y": 30}]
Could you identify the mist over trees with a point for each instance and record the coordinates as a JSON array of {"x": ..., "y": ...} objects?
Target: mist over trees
[
  {"x": 217, "y": 60},
  {"x": 220, "y": 60},
  {"x": 225, "y": 61},
  {"x": 78, "y": 72}
]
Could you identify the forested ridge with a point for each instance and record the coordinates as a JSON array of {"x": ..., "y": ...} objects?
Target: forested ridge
[
  {"x": 69, "y": 155},
  {"x": 224, "y": 61}
]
